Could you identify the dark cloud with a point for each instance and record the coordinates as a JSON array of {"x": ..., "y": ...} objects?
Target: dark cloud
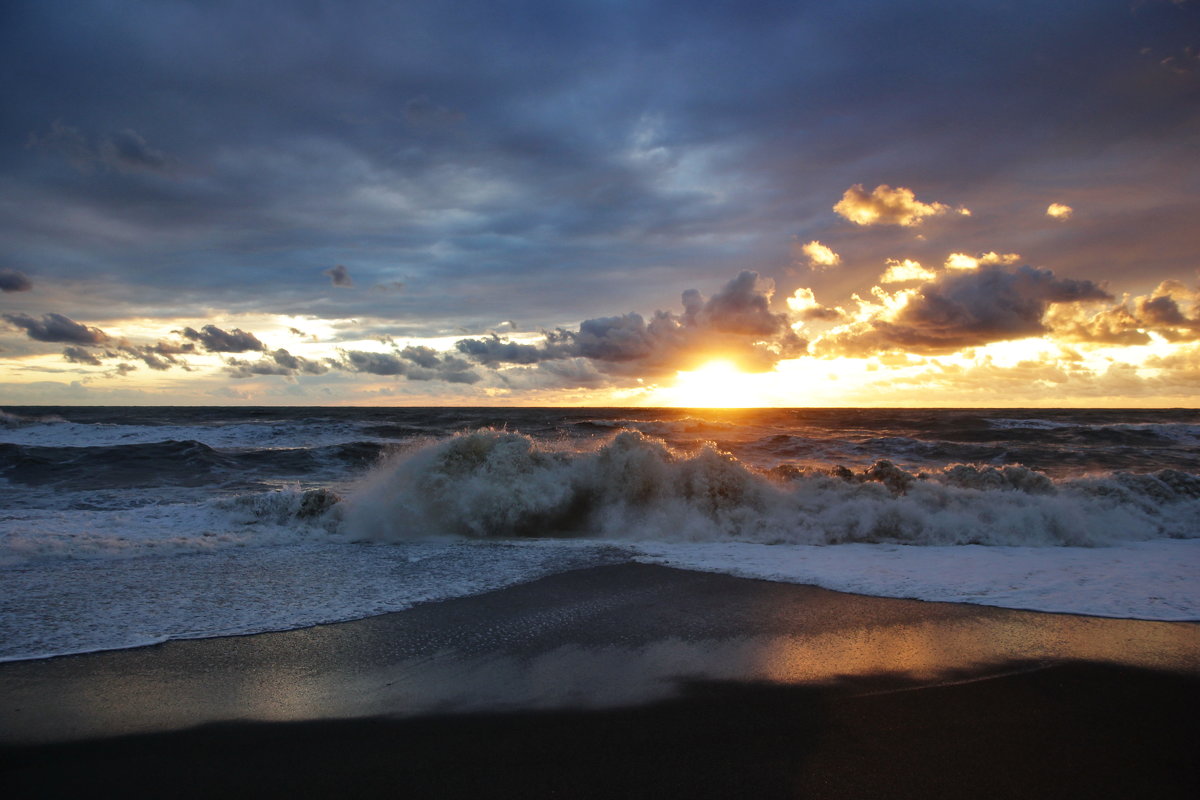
[
  {"x": 160, "y": 356},
  {"x": 965, "y": 308},
  {"x": 299, "y": 364},
  {"x": 128, "y": 151},
  {"x": 339, "y": 276},
  {"x": 124, "y": 151},
  {"x": 57, "y": 328},
  {"x": 280, "y": 362},
  {"x": 735, "y": 323},
  {"x": 421, "y": 111},
  {"x": 694, "y": 172},
  {"x": 413, "y": 363},
  {"x": 216, "y": 340},
  {"x": 12, "y": 280},
  {"x": 81, "y": 355},
  {"x": 493, "y": 350}
]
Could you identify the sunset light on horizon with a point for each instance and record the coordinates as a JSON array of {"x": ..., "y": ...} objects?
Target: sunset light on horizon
[{"x": 409, "y": 230}]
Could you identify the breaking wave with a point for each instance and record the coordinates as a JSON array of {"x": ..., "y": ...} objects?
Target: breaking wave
[{"x": 501, "y": 484}]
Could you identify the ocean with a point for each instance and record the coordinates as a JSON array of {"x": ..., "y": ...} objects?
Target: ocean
[{"x": 122, "y": 527}]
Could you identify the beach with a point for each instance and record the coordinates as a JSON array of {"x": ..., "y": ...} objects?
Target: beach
[{"x": 626, "y": 680}]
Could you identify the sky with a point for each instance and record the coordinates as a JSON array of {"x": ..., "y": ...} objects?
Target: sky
[{"x": 595, "y": 202}]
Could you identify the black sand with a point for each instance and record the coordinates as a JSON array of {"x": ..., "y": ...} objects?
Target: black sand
[{"x": 626, "y": 681}]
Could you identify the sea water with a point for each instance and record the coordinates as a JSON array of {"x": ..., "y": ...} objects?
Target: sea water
[{"x": 127, "y": 526}]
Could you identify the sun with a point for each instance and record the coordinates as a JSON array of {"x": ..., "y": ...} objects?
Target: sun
[{"x": 718, "y": 384}]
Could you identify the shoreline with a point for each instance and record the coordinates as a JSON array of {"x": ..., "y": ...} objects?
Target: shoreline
[
  {"x": 595, "y": 637},
  {"x": 606, "y": 656}
]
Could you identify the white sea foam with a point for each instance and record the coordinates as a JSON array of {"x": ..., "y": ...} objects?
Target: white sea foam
[
  {"x": 74, "y": 606},
  {"x": 80, "y": 606},
  {"x": 40, "y": 535},
  {"x": 499, "y": 484},
  {"x": 1140, "y": 580}
]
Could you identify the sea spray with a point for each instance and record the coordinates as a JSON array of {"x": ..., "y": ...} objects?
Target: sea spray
[{"x": 490, "y": 484}]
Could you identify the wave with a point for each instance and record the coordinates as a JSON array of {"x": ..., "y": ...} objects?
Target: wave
[
  {"x": 1110, "y": 433},
  {"x": 500, "y": 484},
  {"x": 12, "y": 421},
  {"x": 56, "y": 432},
  {"x": 171, "y": 463}
]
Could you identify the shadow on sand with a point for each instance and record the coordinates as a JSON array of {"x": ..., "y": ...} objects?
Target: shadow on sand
[{"x": 1073, "y": 729}]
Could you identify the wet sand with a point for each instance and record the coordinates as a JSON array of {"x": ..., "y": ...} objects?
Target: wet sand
[{"x": 627, "y": 681}]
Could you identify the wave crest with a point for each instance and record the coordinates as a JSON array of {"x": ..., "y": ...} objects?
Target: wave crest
[{"x": 500, "y": 484}]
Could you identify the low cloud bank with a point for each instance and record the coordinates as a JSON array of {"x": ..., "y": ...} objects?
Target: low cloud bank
[{"x": 736, "y": 323}]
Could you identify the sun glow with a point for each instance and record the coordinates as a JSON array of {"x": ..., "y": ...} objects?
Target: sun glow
[{"x": 718, "y": 384}]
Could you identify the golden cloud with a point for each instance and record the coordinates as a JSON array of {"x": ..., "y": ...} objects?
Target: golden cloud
[
  {"x": 964, "y": 261},
  {"x": 905, "y": 271},
  {"x": 819, "y": 256},
  {"x": 887, "y": 206}
]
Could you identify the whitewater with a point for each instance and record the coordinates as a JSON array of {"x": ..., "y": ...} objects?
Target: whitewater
[{"x": 121, "y": 527}]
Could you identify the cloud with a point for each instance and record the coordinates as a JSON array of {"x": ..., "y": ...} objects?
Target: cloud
[
  {"x": 887, "y": 206},
  {"x": 12, "y": 280},
  {"x": 964, "y": 261},
  {"x": 1186, "y": 62},
  {"x": 80, "y": 355},
  {"x": 340, "y": 277},
  {"x": 493, "y": 350},
  {"x": 562, "y": 373},
  {"x": 160, "y": 356},
  {"x": 412, "y": 363},
  {"x": 905, "y": 271},
  {"x": 216, "y": 340},
  {"x": 57, "y": 328},
  {"x": 420, "y": 111},
  {"x": 1059, "y": 211},
  {"x": 803, "y": 303},
  {"x": 1171, "y": 311},
  {"x": 819, "y": 256},
  {"x": 532, "y": 206},
  {"x": 961, "y": 309},
  {"x": 121, "y": 370},
  {"x": 736, "y": 323},
  {"x": 125, "y": 151},
  {"x": 280, "y": 362}
]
